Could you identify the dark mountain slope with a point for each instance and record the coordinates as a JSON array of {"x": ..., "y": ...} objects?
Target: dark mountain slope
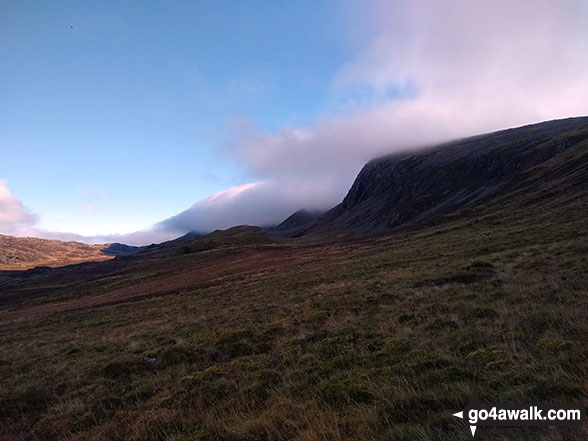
[
  {"x": 120, "y": 249},
  {"x": 298, "y": 219},
  {"x": 292, "y": 224},
  {"x": 404, "y": 190}
]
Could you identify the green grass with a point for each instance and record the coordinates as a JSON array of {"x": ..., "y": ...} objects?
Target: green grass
[{"x": 343, "y": 339}]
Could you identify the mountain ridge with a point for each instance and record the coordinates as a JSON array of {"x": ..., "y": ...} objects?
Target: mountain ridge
[
  {"x": 411, "y": 188},
  {"x": 397, "y": 191}
]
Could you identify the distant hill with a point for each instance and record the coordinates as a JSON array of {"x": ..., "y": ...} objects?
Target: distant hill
[
  {"x": 292, "y": 223},
  {"x": 241, "y": 235},
  {"x": 421, "y": 187},
  {"x": 191, "y": 235},
  {"x": 120, "y": 249},
  {"x": 29, "y": 252}
]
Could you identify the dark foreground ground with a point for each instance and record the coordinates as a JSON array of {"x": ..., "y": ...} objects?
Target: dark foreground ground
[{"x": 336, "y": 338}]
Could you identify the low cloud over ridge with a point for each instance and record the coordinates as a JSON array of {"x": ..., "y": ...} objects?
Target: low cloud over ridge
[
  {"x": 426, "y": 71},
  {"x": 429, "y": 71},
  {"x": 262, "y": 203}
]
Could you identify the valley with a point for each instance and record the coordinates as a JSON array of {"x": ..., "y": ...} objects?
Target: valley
[{"x": 324, "y": 333}]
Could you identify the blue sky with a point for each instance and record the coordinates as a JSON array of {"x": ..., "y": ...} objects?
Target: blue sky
[
  {"x": 121, "y": 114},
  {"x": 148, "y": 119}
]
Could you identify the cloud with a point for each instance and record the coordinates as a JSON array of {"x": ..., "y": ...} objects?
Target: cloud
[
  {"x": 429, "y": 71},
  {"x": 138, "y": 238},
  {"x": 469, "y": 41},
  {"x": 503, "y": 62},
  {"x": 14, "y": 218},
  {"x": 260, "y": 203}
]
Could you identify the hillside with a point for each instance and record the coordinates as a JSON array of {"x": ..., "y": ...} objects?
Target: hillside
[
  {"x": 236, "y": 337},
  {"x": 29, "y": 252},
  {"x": 415, "y": 188},
  {"x": 297, "y": 219},
  {"x": 292, "y": 224}
]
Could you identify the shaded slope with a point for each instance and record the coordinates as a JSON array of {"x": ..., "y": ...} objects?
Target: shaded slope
[
  {"x": 292, "y": 224},
  {"x": 120, "y": 249},
  {"x": 242, "y": 235},
  {"x": 298, "y": 219}
]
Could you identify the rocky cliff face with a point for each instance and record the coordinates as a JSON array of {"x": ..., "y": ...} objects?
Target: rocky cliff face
[{"x": 404, "y": 190}]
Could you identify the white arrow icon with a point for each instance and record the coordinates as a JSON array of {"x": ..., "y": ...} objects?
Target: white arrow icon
[{"x": 460, "y": 415}]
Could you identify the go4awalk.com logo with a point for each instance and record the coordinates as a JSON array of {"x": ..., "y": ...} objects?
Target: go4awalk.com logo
[{"x": 513, "y": 415}]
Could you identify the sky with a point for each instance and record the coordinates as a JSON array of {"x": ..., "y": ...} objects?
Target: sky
[{"x": 141, "y": 121}]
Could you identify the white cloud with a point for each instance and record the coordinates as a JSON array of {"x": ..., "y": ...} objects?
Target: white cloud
[
  {"x": 261, "y": 203},
  {"x": 14, "y": 218},
  {"x": 510, "y": 62}
]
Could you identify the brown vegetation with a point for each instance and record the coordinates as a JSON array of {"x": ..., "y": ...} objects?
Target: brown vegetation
[{"x": 29, "y": 252}]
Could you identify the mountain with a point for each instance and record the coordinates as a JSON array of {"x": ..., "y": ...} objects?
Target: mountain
[
  {"x": 191, "y": 234},
  {"x": 120, "y": 249},
  {"x": 29, "y": 252},
  {"x": 236, "y": 336},
  {"x": 292, "y": 223},
  {"x": 421, "y": 187}
]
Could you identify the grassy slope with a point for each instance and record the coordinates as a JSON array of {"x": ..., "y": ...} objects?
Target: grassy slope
[
  {"x": 375, "y": 338},
  {"x": 27, "y": 252}
]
